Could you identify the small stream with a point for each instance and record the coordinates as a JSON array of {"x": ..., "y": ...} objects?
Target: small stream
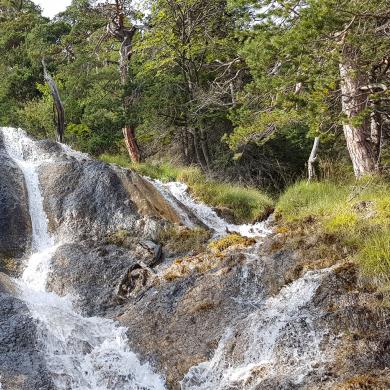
[{"x": 177, "y": 195}]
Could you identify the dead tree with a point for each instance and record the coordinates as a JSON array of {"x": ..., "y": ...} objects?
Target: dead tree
[
  {"x": 116, "y": 27},
  {"x": 312, "y": 159},
  {"x": 59, "y": 111}
]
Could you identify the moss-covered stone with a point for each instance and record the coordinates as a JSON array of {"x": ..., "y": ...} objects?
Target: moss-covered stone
[{"x": 231, "y": 240}]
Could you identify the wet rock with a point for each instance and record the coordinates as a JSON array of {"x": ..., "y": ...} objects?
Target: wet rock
[
  {"x": 324, "y": 336},
  {"x": 22, "y": 366},
  {"x": 86, "y": 198},
  {"x": 15, "y": 223},
  {"x": 102, "y": 275},
  {"x": 91, "y": 273},
  {"x": 177, "y": 324}
]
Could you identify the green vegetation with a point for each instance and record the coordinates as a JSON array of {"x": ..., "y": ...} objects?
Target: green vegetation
[
  {"x": 356, "y": 214},
  {"x": 222, "y": 85}
]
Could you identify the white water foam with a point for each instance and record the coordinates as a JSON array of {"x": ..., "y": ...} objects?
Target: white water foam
[
  {"x": 81, "y": 353},
  {"x": 280, "y": 340},
  {"x": 179, "y": 192}
]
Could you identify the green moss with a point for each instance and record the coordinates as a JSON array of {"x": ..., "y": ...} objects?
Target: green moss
[
  {"x": 118, "y": 238},
  {"x": 177, "y": 239}
]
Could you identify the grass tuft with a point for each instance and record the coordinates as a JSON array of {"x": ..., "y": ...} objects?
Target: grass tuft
[
  {"x": 356, "y": 214},
  {"x": 230, "y": 241}
]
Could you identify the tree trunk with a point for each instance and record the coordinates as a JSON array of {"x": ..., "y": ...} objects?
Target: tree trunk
[
  {"x": 131, "y": 144},
  {"x": 363, "y": 148},
  {"x": 59, "y": 111},
  {"x": 313, "y": 159},
  {"x": 198, "y": 154}
]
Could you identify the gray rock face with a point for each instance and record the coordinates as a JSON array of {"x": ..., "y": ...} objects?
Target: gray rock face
[
  {"x": 101, "y": 275},
  {"x": 90, "y": 272},
  {"x": 22, "y": 366},
  {"x": 86, "y": 198},
  {"x": 15, "y": 223},
  {"x": 325, "y": 337}
]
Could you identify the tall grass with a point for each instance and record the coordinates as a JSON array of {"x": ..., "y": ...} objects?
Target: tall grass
[{"x": 356, "y": 213}]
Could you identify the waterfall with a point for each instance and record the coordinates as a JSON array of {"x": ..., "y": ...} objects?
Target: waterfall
[
  {"x": 81, "y": 353},
  {"x": 177, "y": 194}
]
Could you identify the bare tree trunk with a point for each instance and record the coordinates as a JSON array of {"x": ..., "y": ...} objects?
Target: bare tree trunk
[
  {"x": 131, "y": 144},
  {"x": 59, "y": 113},
  {"x": 198, "y": 154},
  {"x": 313, "y": 159},
  {"x": 363, "y": 148}
]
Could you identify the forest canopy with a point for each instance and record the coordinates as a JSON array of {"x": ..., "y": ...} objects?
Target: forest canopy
[{"x": 239, "y": 88}]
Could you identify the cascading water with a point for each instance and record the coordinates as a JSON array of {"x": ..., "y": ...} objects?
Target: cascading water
[
  {"x": 178, "y": 192},
  {"x": 276, "y": 341},
  {"x": 81, "y": 353}
]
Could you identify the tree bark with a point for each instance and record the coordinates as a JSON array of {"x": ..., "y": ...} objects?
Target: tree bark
[
  {"x": 313, "y": 159},
  {"x": 197, "y": 148},
  {"x": 363, "y": 148},
  {"x": 59, "y": 111},
  {"x": 131, "y": 144}
]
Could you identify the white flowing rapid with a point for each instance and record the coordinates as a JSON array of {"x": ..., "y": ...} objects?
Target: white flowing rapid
[
  {"x": 81, "y": 353},
  {"x": 177, "y": 194},
  {"x": 279, "y": 340}
]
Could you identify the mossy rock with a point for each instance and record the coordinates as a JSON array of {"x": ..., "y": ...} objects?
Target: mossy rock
[{"x": 232, "y": 240}]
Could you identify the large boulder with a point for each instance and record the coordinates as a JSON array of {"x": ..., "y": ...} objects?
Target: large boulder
[
  {"x": 15, "y": 222},
  {"x": 84, "y": 198},
  {"x": 22, "y": 366}
]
